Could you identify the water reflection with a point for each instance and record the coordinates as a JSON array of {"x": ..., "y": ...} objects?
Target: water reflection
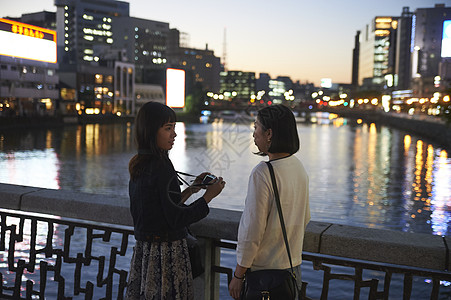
[
  {"x": 38, "y": 168},
  {"x": 360, "y": 174}
]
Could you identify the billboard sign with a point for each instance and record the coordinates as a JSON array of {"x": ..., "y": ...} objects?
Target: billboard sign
[
  {"x": 175, "y": 88},
  {"x": 27, "y": 41},
  {"x": 446, "y": 40}
]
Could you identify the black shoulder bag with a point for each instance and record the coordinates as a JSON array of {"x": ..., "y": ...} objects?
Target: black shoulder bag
[{"x": 272, "y": 284}]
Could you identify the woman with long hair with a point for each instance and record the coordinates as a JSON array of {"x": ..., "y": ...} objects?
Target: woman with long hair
[{"x": 160, "y": 266}]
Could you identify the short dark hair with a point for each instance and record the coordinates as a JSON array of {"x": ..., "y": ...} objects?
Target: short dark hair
[
  {"x": 150, "y": 118},
  {"x": 280, "y": 119}
]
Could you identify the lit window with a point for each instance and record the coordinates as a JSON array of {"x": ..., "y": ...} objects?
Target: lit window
[{"x": 98, "y": 78}]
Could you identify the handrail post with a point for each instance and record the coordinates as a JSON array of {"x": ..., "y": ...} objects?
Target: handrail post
[{"x": 212, "y": 258}]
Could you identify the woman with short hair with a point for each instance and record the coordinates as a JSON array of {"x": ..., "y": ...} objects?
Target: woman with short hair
[{"x": 260, "y": 240}]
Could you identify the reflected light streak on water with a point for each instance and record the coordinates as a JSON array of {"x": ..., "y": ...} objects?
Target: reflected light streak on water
[
  {"x": 37, "y": 168},
  {"x": 441, "y": 195}
]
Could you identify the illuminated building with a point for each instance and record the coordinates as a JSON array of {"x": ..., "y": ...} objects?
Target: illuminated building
[
  {"x": 427, "y": 32},
  {"x": 91, "y": 51},
  {"x": 238, "y": 85},
  {"x": 201, "y": 65},
  {"x": 374, "y": 46},
  {"x": 149, "y": 51},
  {"x": 404, "y": 53},
  {"x": 28, "y": 65}
]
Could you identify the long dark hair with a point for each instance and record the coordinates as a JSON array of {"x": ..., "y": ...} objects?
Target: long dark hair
[
  {"x": 280, "y": 119},
  {"x": 151, "y": 117}
]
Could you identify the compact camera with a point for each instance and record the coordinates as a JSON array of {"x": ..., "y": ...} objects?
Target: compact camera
[{"x": 208, "y": 179}]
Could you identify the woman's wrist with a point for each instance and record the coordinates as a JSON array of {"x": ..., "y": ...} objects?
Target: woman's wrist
[{"x": 238, "y": 277}]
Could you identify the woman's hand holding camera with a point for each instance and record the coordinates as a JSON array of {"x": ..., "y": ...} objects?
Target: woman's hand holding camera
[
  {"x": 210, "y": 183},
  {"x": 214, "y": 188}
]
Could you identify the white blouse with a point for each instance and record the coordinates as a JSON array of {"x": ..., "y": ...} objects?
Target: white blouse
[{"x": 260, "y": 238}]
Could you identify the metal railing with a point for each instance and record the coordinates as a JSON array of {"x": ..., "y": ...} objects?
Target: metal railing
[
  {"x": 20, "y": 231},
  {"x": 39, "y": 259}
]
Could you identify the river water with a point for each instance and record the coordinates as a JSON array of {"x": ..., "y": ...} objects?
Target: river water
[{"x": 360, "y": 174}]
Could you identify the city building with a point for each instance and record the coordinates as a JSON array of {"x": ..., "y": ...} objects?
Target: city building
[
  {"x": 149, "y": 50},
  {"x": 404, "y": 55},
  {"x": 355, "y": 61},
  {"x": 201, "y": 65},
  {"x": 148, "y": 92},
  {"x": 374, "y": 49},
  {"x": 238, "y": 86},
  {"x": 28, "y": 70},
  {"x": 402, "y": 71},
  {"x": 426, "y": 49},
  {"x": 91, "y": 39},
  {"x": 44, "y": 19},
  {"x": 262, "y": 83},
  {"x": 277, "y": 89}
]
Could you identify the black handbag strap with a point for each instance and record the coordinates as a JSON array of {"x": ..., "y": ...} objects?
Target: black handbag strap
[{"x": 279, "y": 209}]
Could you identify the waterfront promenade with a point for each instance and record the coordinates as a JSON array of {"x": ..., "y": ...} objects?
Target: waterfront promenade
[{"x": 325, "y": 244}]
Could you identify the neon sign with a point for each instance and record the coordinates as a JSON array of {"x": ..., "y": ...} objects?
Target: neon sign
[{"x": 27, "y": 41}]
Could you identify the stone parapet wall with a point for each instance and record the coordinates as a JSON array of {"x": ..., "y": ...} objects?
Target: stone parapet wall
[{"x": 384, "y": 246}]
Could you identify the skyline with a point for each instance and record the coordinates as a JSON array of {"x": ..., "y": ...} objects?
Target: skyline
[{"x": 304, "y": 40}]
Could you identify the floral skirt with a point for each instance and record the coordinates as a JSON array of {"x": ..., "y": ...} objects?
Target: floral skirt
[{"x": 160, "y": 270}]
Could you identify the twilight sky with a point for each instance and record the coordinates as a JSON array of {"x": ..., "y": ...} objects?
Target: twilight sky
[{"x": 306, "y": 40}]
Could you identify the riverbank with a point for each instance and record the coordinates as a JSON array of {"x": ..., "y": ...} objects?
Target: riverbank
[
  {"x": 59, "y": 121},
  {"x": 431, "y": 129}
]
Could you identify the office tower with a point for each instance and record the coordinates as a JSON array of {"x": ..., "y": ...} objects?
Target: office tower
[
  {"x": 86, "y": 28},
  {"x": 374, "y": 48},
  {"x": 402, "y": 73},
  {"x": 94, "y": 64},
  {"x": 427, "y": 32},
  {"x": 150, "y": 48},
  {"x": 201, "y": 65},
  {"x": 238, "y": 85},
  {"x": 262, "y": 82},
  {"x": 355, "y": 61}
]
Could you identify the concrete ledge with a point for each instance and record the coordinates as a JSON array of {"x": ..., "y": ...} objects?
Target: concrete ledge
[
  {"x": 219, "y": 224},
  {"x": 385, "y": 246},
  {"x": 417, "y": 250},
  {"x": 11, "y": 195},
  {"x": 92, "y": 207},
  {"x": 312, "y": 236}
]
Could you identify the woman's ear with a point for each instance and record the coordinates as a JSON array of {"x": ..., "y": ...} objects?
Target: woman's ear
[{"x": 269, "y": 133}]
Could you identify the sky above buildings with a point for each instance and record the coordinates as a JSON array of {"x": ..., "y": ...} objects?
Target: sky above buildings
[{"x": 303, "y": 39}]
